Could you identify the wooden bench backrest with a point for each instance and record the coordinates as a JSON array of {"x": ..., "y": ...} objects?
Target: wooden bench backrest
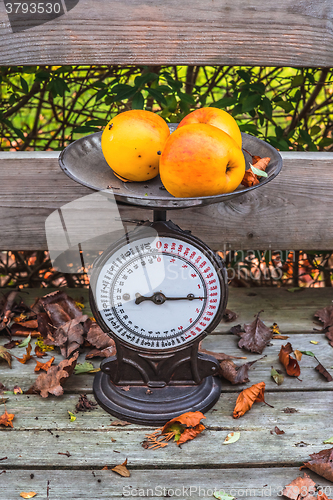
[{"x": 294, "y": 211}]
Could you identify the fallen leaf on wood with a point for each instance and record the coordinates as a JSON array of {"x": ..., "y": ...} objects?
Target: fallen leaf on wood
[
  {"x": 325, "y": 315},
  {"x": 25, "y": 341},
  {"x": 308, "y": 353},
  {"x": 321, "y": 369},
  {"x": 69, "y": 336},
  {"x": 102, "y": 341},
  {"x": 183, "y": 428},
  {"x": 11, "y": 344},
  {"x": 291, "y": 365},
  {"x": 280, "y": 337},
  {"x": 60, "y": 308},
  {"x": 39, "y": 353},
  {"x": 29, "y": 494},
  {"x": 84, "y": 404},
  {"x": 276, "y": 430},
  {"x": 3, "y": 401},
  {"x": 322, "y": 496},
  {"x": 72, "y": 417},
  {"x": 275, "y": 329},
  {"x": 277, "y": 376},
  {"x": 17, "y": 390},
  {"x": 221, "y": 495},
  {"x": 26, "y": 357},
  {"x": 236, "y": 330},
  {"x": 315, "y": 342},
  {"x": 229, "y": 316},
  {"x": 255, "y": 336},
  {"x": 235, "y": 374},
  {"x": 6, "y": 419},
  {"x": 247, "y": 397},
  {"x": 122, "y": 469},
  {"x": 299, "y": 488},
  {"x": 44, "y": 366},
  {"x": 298, "y": 354},
  {"x": 52, "y": 382},
  {"x": 232, "y": 437},
  {"x": 85, "y": 368},
  {"x": 321, "y": 463},
  {"x": 122, "y": 423},
  {"x": 329, "y": 441},
  {"x": 5, "y": 355}
]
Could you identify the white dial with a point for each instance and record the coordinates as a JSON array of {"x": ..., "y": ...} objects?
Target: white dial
[{"x": 158, "y": 293}]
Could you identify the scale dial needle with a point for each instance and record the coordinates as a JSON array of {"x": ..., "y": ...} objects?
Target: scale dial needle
[{"x": 159, "y": 298}]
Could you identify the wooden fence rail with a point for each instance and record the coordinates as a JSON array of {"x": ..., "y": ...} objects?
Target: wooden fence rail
[
  {"x": 211, "y": 32},
  {"x": 295, "y": 211}
]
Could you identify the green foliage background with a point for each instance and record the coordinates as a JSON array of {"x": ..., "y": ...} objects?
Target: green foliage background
[{"x": 47, "y": 107}]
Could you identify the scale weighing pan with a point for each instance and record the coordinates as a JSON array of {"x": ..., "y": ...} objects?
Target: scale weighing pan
[{"x": 83, "y": 161}]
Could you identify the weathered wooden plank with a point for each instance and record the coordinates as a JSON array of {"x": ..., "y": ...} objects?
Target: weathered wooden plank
[
  {"x": 96, "y": 449},
  {"x": 293, "y": 312},
  {"x": 292, "y": 212},
  {"x": 195, "y": 484},
  {"x": 52, "y": 414},
  {"x": 24, "y": 375},
  {"x": 187, "y": 32}
]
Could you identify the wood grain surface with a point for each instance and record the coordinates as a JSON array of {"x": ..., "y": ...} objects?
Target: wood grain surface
[
  {"x": 214, "y": 32},
  {"x": 294, "y": 211}
]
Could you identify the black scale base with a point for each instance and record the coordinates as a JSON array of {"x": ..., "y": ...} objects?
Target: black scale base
[{"x": 141, "y": 405}]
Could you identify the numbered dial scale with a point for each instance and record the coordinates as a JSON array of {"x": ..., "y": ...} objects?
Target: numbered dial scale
[{"x": 157, "y": 292}]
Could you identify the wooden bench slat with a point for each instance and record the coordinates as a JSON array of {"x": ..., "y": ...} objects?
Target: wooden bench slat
[
  {"x": 24, "y": 375},
  {"x": 41, "y": 448},
  {"x": 78, "y": 484},
  {"x": 53, "y": 415},
  {"x": 171, "y": 32},
  {"x": 286, "y": 214}
]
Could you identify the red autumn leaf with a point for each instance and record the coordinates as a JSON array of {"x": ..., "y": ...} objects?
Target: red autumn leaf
[
  {"x": 27, "y": 355},
  {"x": 329, "y": 335},
  {"x": 291, "y": 365},
  {"x": 245, "y": 400},
  {"x": 44, "y": 366},
  {"x": 52, "y": 382},
  {"x": 6, "y": 419},
  {"x": 321, "y": 463},
  {"x": 299, "y": 488}
]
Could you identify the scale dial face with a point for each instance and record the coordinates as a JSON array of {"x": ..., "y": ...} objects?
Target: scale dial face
[{"x": 158, "y": 293}]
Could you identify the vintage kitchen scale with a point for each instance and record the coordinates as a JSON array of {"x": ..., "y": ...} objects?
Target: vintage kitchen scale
[{"x": 157, "y": 291}]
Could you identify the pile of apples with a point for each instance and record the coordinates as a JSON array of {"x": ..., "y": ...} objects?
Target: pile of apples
[{"x": 203, "y": 157}]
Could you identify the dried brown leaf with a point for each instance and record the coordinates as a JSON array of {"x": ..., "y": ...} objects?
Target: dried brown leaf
[
  {"x": 321, "y": 463},
  {"x": 122, "y": 469},
  {"x": 276, "y": 430},
  {"x": 85, "y": 404},
  {"x": 321, "y": 369},
  {"x": 325, "y": 315},
  {"x": 235, "y": 374},
  {"x": 299, "y": 488},
  {"x": 291, "y": 365},
  {"x": 121, "y": 423},
  {"x": 229, "y": 316},
  {"x": 255, "y": 336},
  {"x": 5, "y": 355},
  {"x": 247, "y": 397},
  {"x": 27, "y": 355},
  {"x": 52, "y": 382}
]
